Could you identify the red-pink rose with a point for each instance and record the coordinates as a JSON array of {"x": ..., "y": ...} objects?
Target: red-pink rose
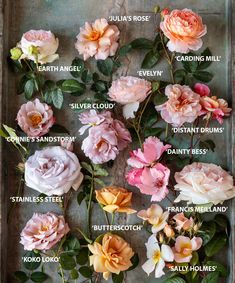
[{"x": 202, "y": 89}]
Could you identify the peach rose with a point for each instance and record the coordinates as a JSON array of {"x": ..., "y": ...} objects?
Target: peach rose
[
  {"x": 43, "y": 231},
  {"x": 115, "y": 199},
  {"x": 184, "y": 247},
  {"x": 183, "y": 222},
  {"x": 98, "y": 39},
  {"x": 169, "y": 232},
  {"x": 113, "y": 255},
  {"x": 183, "y": 105},
  {"x": 184, "y": 29}
]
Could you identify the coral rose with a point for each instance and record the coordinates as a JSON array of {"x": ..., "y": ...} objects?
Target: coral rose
[
  {"x": 202, "y": 183},
  {"x": 183, "y": 222},
  {"x": 39, "y": 46},
  {"x": 183, "y": 105},
  {"x": 113, "y": 255},
  {"x": 53, "y": 171},
  {"x": 115, "y": 199},
  {"x": 129, "y": 91},
  {"x": 98, "y": 39},
  {"x": 43, "y": 231},
  {"x": 35, "y": 118},
  {"x": 184, "y": 29}
]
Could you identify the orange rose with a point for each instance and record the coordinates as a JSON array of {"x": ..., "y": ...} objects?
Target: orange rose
[
  {"x": 112, "y": 256},
  {"x": 115, "y": 199},
  {"x": 184, "y": 29}
]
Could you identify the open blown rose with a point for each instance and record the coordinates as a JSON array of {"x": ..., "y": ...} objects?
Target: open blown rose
[
  {"x": 53, "y": 171},
  {"x": 98, "y": 39},
  {"x": 184, "y": 29},
  {"x": 43, "y": 231},
  {"x": 35, "y": 118}
]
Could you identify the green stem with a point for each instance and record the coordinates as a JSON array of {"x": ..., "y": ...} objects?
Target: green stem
[
  {"x": 84, "y": 235},
  {"x": 166, "y": 133},
  {"x": 89, "y": 205},
  {"x": 112, "y": 221},
  {"x": 138, "y": 134},
  {"x": 62, "y": 274}
]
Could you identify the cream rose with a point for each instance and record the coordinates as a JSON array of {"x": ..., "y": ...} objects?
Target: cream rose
[
  {"x": 53, "y": 171},
  {"x": 202, "y": 183}
]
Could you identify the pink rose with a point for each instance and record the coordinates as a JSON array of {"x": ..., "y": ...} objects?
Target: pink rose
[
  {"x": 183, "y": 105},
  {"x": 153, "y": 149},
  {"x": 184, "y": 248},
  {"x": 202, "y": 89},
  {"x": 43, "y": 231},
  {"x": 35, "y": 118},
  {"x": 133, "y": 177},
  {"x": 39, "y": 45},
  {"x": 129, "y": 91},
  {"x": 183, "y": 222},
  {"x": 98, "y": 39},
  {"x": 202, "y": 183},
  {"x": 184, "y": 29},
  {"x": 53, "y": 171},
  {"x": 122, "y": 134}
]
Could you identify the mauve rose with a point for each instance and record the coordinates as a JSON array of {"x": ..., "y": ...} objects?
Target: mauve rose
[
  {"x": 39, "y": 45},
  {"x": 35, "y": 118},
  {"x": 53, "y": 171},
  {"x": 202, "y": 183},
  {"x": 182, "y": 106},
  {"x": 43, "y": 231},
  {"x": 129, "y": 91},
  {"x": 98, "y": 39},
  {"x": 67, "y": 144},
  {"x": 184, "y": 29}
]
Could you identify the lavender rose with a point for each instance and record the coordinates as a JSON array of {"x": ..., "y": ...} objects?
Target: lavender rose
[
  {"x": 35, "y": 118},
  {"x": 53, "y": 171}
]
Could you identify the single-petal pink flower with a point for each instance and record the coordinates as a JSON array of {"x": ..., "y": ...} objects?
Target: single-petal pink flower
[{"x": 133, "y": 177}]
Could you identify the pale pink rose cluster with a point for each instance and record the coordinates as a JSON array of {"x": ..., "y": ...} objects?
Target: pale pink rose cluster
[
  {"x": 35, "y": 118},
  {"x": 184, "y": 29},
  {"x": 149, "y": 175},
  {"x": 106, "y": 136},
  {"x": 99, "y": 40},
  {"x": 43, "y": 231},
  {"x": 130, "y": 92},
  {"x": 53, "y": 171},
  {"x": 202, "y": 183}
]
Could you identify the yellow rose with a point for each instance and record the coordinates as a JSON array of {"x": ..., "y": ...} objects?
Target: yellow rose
[
  {"x": 113, "y": 255},
  {"x": 115, "y": 199}
]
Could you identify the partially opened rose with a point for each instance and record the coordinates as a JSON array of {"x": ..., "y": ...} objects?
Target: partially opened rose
[
  {"x": 202, "y": 183},
  {"x": 43, "y": 231},
  {"x": 39, "y": 46},
  {"x": 113, "y": 255},
  {"x": 184, "y": 29},
  {"x": 53, "y": 171},
  {"x": 115, "y": 199},
  {"x": 183, "y": 222},
  {"x": 35, "y": 118}
]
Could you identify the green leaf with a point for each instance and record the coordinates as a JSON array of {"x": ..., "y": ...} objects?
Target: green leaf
[
  {"x": 118, "y": 278},
  {"x": 203, "y": 76},
  {"x": 99, "y": 171},
  {"x": 105, "y": 66},
  {"x": 222, "y": 220},
  {"x": 56, "y": 128},
  {"x": 153, "y": 132},
  {"x": 150, "y": 59},
  {"x": 204, "y": 64},
  {"x": 207, "y": 144},
  {"x": 179, "y": 76},
  {"x": 212, "y": 277},
  {"x": 34, "y": 258},
  {"x": 155, "y": 86},
  {"x": 86, "y": 76},
  {"x": 57, "y": 98},
  {"x": 80, "y": 65},
  {"x": 80, "y": 197},
  {"x": 219, "y": 268},
  {"x": 194, "y": 259},
  {"x": 71, "y": 244},
  {"x": 21, "y": 85},
  {"x": 142, "y": 43},
  {"x": 124, "y": 50},
  {"x": 67, "y": 261},
  {"x": 99, "y": 181},
  {"x": 175, "y": 280},
  {"x": 73, "y": 87},
  {"x": 82, "y": 256},
  {"x": 47, "y": 96},
  {"x": 3, "y": 134},
  {"x": 29, "y": 88},
  {"x": 190, "y": 66},
  {"x": 135, "y": 261},
  {"x": 95, "y": 77},
  {"x": 39, "y": 277},
  {"x": 74, "y": 274},
  {"x": 216, "y": 244},
  {"x": 159, "y": 98},
  {"x": 87, "y": 166},
  {"x": 85, "y": 271},
  {"x": 207, "y": 231},
  {"x": 21, "y": 276}
]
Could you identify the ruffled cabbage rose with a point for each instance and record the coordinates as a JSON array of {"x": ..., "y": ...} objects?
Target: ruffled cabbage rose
[
  {"x": 53, "y": 171},
  {"x": 202, "y": 183},
  {"x": 39, "y": 46},
  {"x": 35, "y": 118},
  {"x": 130, "y": 92},
  {"x": 183, "y": 105},
  {"x": 184, "y": 29},
  {"x": 98, "y": 39},
  {"x": 43, "y": 231}
]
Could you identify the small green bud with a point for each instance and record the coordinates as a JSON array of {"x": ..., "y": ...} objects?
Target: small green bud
[{"x": 16, "y": 53}]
